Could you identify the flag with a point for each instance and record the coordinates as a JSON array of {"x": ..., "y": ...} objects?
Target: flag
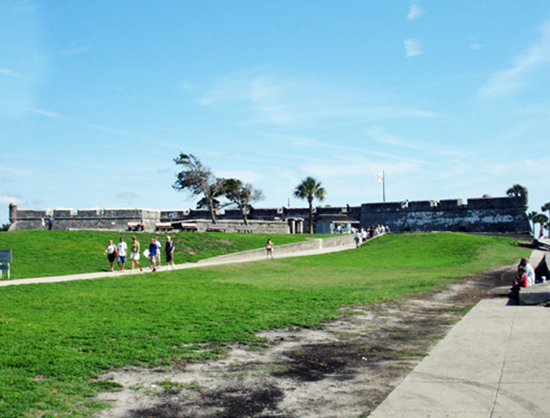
[{"x": 380, "y": 177}]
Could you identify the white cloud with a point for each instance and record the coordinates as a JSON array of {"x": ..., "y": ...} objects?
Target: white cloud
[
  {"x": 516, "y": 77},
  {"x": 413, "y": 47},
  {"x": 294, "y": 100},
  {"x": 415, "y": 12},
  {"x": 10, "y": 73}
]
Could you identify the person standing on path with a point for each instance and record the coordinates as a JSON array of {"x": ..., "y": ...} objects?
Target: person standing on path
[
  {"x": 122, "y": 249},
  {"x": 269, "y": 248},
  {"x": 134, "y": 254},
  {"x": 169, "y": 248},
  {"x": 111, "y": 253}
]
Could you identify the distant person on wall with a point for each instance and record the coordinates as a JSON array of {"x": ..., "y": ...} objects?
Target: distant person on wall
[
  {"x": 134, "y": 254},
  {"x": 51, "y": 221},
  {"x": 111, "y": 252},
  {"x": 159, "y": 249},
  {"x": 169, "y": 248},
  {"x": 269, "y": 248},
  {"x": 153, "y": 250},
  {"x": 122, "y": 250},
  {"x": 141, "y": 226},
  {"x": 529, "y": 270}
]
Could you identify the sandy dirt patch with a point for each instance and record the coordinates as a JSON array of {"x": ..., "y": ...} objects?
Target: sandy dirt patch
[{"x": 343, "y": 369}]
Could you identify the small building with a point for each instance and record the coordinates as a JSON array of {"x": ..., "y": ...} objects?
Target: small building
[{"x": 334, "y": 224}]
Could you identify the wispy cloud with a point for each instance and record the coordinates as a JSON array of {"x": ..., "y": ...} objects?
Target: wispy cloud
[
  {"x": 415, "y": 12},
  {"x": 516, "y": 77},
  {"x": 413, "y": 47},
  {"x": 474, "y": 44},
  {"x": 290, "y": 100},
  {"x": 10, "y": 73},
  {"x": 102, "y": 128}
]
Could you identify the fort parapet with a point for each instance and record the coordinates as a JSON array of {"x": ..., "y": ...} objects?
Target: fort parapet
[{"x": 484, "y": 215}]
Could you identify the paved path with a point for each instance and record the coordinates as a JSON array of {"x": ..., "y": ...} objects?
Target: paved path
[
  {"x": 495, "y": 363},
  {"x": 226, "y": 259}
]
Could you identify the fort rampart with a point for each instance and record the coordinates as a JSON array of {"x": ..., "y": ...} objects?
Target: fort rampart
[{"x": 482, "y": 215}]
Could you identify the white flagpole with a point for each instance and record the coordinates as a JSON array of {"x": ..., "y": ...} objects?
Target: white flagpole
[{"x": 383, "y": 186}]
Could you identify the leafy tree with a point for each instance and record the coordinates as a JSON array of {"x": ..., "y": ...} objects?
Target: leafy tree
[
  {"x": 309, "y": 189},
  {"x": 541, "y": 219},
  {"x": 243, "y": 195},
  {"x": 516, "y": 190},
  {"x": 198, "y": 180}
]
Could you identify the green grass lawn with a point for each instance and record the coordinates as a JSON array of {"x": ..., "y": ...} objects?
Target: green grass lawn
[
  {"x": 55, "y": 339},
  {"x": 38, "y": 253}
]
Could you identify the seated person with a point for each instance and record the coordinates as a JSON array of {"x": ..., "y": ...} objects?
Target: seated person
[
  {"x": 529, "y": 270},
  {"x": 521, "y": 280},
  {"x": 140, "y": 226}
]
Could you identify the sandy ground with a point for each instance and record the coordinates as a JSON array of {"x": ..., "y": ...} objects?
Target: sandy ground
[{"x": 344, "y": 369}]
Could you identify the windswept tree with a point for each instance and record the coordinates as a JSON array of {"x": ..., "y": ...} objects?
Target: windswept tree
[
  {"x": 516, "y": 190},
  {"x": 310, "y": 189},
  {"x": 198, "y": 180},
  {"x": 243, "y": 195}
]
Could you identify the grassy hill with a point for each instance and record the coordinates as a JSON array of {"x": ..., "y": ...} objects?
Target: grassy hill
[
  {"x": 38, "y": 253},
  {"x": 57, "y": 338}
]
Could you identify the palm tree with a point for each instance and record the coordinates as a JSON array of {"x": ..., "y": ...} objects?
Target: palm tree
[
  {"x": 309, "y": 189},
  {"x": 531, "y": 215},
  {"x": 541, "y": 219},
  {"x": 516, "y": 190},
  {"x": 546, "y": 208}
]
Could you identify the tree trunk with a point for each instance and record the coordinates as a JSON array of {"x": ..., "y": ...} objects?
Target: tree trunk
[
  {"x": 310, "y": 201},
  {"x": 212, "y": 214}
]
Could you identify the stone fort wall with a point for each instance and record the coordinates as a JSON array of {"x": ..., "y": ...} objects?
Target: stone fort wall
[{"x": 480, "y": 215}]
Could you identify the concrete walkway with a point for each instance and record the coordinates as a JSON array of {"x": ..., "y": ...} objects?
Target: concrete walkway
[
  {"x": 310, "y": 247},
  {"x": 495, "y": 363}
]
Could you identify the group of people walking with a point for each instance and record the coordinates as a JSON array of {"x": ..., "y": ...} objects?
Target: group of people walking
[
  {"x": 119, "y": 253},
  {"x": 362, "y": 235}
]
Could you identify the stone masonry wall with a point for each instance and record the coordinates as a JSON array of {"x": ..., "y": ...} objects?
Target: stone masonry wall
[{"x": 483, "y": 215}]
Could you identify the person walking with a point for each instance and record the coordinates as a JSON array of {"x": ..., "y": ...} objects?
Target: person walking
[
  {"x": 122, "y": 250},
  {"x": 269, "y": 248},
  {"x": 169, "y": 248},
  {"x": 159, "y": 247},
  {"x": 111, "y": 253},
  {"x": 153, "y": 250},
  {"x": 134, "y": 254}
]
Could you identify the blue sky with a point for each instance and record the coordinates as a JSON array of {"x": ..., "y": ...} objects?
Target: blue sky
[{"x": 449, "y": 99}]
